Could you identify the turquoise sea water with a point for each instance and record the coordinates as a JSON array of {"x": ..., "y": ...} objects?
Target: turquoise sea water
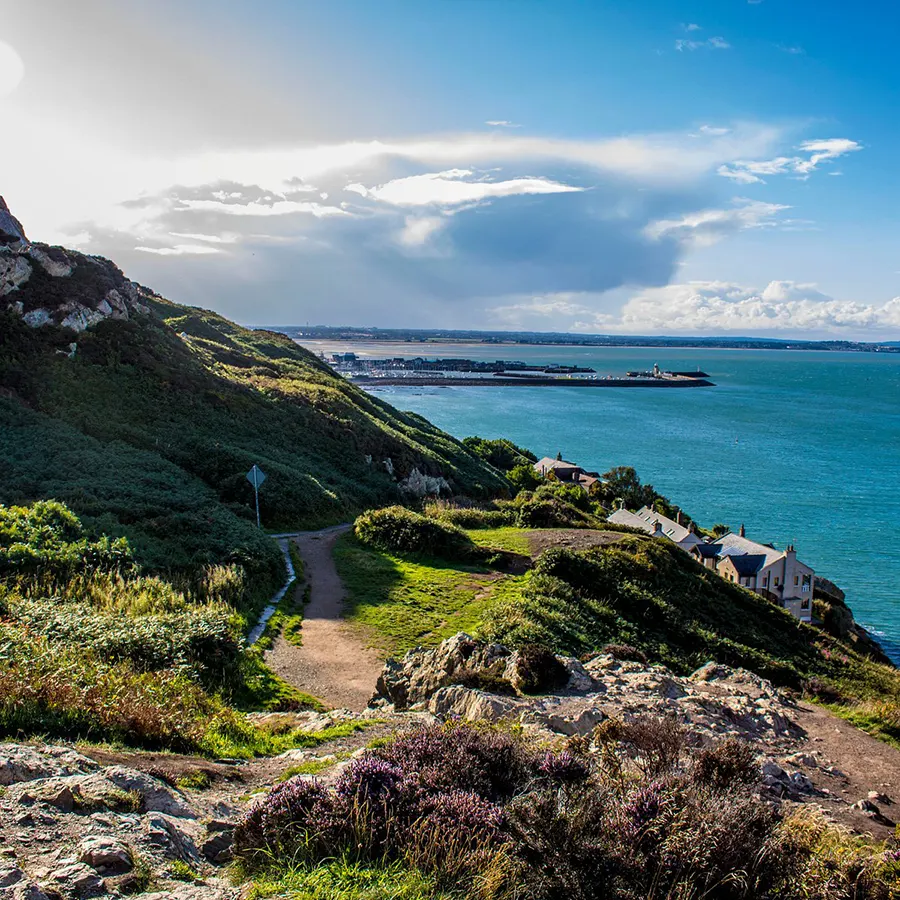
[{"x": 800, "y": 446}]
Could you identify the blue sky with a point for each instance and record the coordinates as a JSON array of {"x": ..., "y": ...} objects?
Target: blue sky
[{"x": 653, "y": 167}]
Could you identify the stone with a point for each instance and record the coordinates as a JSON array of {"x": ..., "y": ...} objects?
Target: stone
[
  {"x": 106, "y": 855},
  {"x": 421, "y": 672},
  {"x": 470, "y": 704},
  {"x": 52, "y": 792},
  {"x": 217, "y": 847},
  {"x": 165, "y": 832},
  {"x": 14, "y": 272},
  {"x": 12, "y": 234},
  {"x": 583, "y": 723},
  {"x": 801, "y": 782},
  {"x": 10, "y": 875},
  {"x": 866, "y": 806},
  {"x": 78, "y": 880},
  {"x": 879, "y": 798},
  {"x": 156, "y": 795}
]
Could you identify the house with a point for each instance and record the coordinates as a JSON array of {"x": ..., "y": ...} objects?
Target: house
[
  {"x": 566, "y": 472},
  {"x": 775, "y": 574},
  {"x": 658, "y": 525}
]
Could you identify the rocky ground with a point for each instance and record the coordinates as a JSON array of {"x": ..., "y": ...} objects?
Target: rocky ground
[
  {"x": 98, "y": 822},
  {"x": 806, "y": 754}
]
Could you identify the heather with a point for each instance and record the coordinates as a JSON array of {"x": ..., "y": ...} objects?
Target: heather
[{"x": 632, "y": 811}]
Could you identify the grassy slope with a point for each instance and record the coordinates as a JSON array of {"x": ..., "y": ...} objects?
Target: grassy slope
[
  {"x": 640, "y": 591},
  {"x": 149, "y": 431},
  {"x": 405, "y": 603}
]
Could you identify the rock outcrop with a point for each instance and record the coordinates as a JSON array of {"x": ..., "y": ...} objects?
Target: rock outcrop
[
  {"x": 71, "y": 828},
  {"x": 51, "y": 286}
]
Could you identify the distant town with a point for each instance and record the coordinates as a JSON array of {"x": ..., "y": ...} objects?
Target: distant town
[
  {"x": 459, "y": 372},
  {"x": 451, "y": 336}
]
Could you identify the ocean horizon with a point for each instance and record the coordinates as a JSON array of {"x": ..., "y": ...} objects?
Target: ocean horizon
[{"x": 800, "y": 447}]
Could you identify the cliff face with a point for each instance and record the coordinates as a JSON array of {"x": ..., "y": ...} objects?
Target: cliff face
[{"x": 49, "y": 285}]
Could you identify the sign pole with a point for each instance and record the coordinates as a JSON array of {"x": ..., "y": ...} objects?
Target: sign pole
[{"x": 256, "y": 477}]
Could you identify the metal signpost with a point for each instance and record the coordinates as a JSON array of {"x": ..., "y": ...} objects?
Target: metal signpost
[{"x": 256, "y": 477}]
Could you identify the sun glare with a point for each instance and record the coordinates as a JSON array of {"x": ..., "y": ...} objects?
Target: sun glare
[{"x": 11, "y": 69}]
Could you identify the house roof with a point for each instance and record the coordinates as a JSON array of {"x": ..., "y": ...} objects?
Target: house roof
[
  {"x": 735, "y": 545},
  {"x": 623, "y": 517},
  {"x": 748, "y": 563},
  {"x": 707, "y": 551},
  {"x": 670, "y": 528},
  {"x": 548, "y": 463}
]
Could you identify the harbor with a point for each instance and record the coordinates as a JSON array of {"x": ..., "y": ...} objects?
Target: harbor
[{"x": 460, "y": 372}]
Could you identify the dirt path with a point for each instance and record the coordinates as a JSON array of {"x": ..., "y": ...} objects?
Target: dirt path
[{"x": 333, "y": 664}]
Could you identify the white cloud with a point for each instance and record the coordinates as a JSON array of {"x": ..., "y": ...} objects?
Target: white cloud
[
  {"x": 208, "y": 238},
  {"x": 277, "y": 208},
  {"x": 417, "y": 230},
  {"x": 713, "y": 43},
  {"x": 712, "y": 306},
  {"x": 12, "y": 69},
  {"x": 715, "y": 130},
  {"x": 709, "y": 307},
  {"x": 451, "y": 187},
  {"x": 691, "y": 26},
  {"x": 819, "y": 151},
  {"x": 502, "y": 123},
  {"x": 181, "y": 250},
  {"x": 794, "y": 50},
  {"x": 707, "y": 226}
]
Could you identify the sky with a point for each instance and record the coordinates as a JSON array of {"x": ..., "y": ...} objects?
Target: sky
[{"x": 663, "y": 167}]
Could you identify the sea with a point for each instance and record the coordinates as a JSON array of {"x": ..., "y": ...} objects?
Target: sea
[{"x": 800, "y": 447}]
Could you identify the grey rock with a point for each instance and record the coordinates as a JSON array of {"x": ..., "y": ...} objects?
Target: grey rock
[
  {"x": 106, "y": 855},
  {"x": 169, "y": 836},
  {"x": 866, "y": 806},
  {"x": 801, "y": 782},
  {"x": 217, "y": 847},
  {"x": 10, "y": 875},
  {"x": 19, "y": 762},
  {"x": 78, "y": 880},
  {"x": 471, "y": 705},
  {"x": 879, "y": 798}
]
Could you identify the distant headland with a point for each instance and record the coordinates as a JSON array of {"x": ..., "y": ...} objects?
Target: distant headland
[{"x": 451, "y": 336}]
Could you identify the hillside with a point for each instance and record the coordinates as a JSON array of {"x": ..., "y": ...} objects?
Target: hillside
[{"x": 144, "y": 416}]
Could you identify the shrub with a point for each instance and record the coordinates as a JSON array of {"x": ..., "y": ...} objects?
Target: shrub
[
  {"x": 625, "y": 652},
  {"x": 538, "y": 671},
  {"x": 470, "y": 516},
  {"x": 399, "y": 530}
]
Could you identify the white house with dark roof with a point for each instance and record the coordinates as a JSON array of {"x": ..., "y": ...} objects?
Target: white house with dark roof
[
  {"x": 776, "y": 574},
  {"x": 656, "y": 524}
]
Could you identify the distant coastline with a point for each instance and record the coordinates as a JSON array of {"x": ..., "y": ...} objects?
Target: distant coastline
[{"x": 412, "y": 336}]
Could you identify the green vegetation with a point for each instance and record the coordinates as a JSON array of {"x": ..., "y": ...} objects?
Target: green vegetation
[
  {"x": 406, "y": 602},
  {"x": 91, "y": 649},
  {"x": 148, "y": 431},
  {"x": 400, "y": 530},
  {"x": 346, "y": 880},
  {"x": 513, "y": 540}
]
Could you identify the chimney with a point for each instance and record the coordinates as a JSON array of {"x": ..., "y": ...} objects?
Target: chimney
[
  {"x": 742, "y": 532},
  {"x": 678, "y": 517}
]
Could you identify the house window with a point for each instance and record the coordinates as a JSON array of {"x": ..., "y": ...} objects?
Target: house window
[
  {"x": 807, "y": 581},
  {"x": 765, "y": 580},
  {"x": 796, "y": 580},
  {"x": 804, "y": 603},
  {"x": 776, "y": 581}
]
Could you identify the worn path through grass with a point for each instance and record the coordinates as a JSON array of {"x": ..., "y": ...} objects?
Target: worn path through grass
[{"x": 333, "y": 662}]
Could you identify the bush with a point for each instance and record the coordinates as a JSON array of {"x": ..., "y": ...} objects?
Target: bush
[
  {"x": 399, "y": 530},
  {"x": 470, "y": 516},
  {"x": 625, "y": 652},
  {"x": 538, "y": 671},
  {"x": 500, "y": 453}
]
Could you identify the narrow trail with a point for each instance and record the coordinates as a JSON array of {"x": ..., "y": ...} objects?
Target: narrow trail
[{"x": 334, "y": 663}]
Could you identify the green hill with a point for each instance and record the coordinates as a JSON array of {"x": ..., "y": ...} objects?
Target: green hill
[{"x": 148, "y": 424}]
